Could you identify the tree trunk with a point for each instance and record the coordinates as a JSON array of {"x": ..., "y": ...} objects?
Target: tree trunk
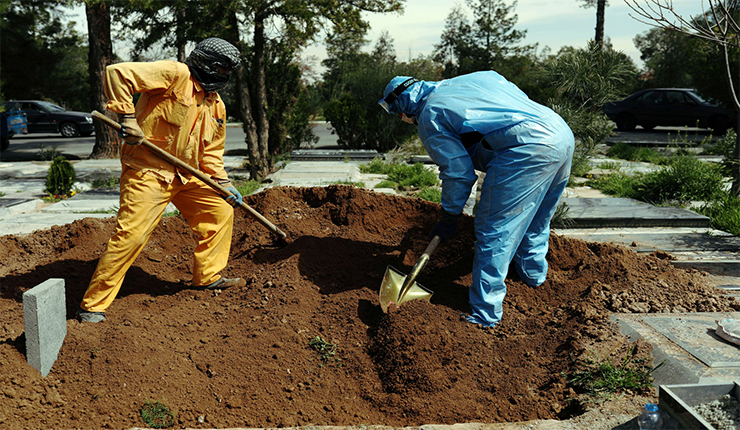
[
  {"x": 244, "y": 102},
  {"x": 600, "y": 9},
  {"x": 735, "y": 190},
  {"x": 263, "y": 124},
  {"x": 107, "y": 144},
  {"x": 179, "y": 35}
]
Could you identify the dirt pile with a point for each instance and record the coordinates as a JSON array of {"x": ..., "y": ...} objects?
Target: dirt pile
[{"x": 243, "y": 357}]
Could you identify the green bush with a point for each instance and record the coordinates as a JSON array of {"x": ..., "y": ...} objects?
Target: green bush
[
  {"x": 726, "y": 148},
  {"x": 431, "y": 194},
  {"x": 401, "y": 175},
  {"x": 412, "y": 176},
  {"x": 683, "y": 180},
  {"x": 157, "y": 415},
  {"x": 724, "y": 213},
  {"x": 61, "y": 177},
  {"x": 625, "y": 151}
]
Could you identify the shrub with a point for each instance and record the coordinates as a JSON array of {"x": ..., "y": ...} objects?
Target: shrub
[
  {"x": 683, "y": 180},
  {"x": 724, "y": 213},
  {"x": 157, "y": 415},
  {"x": 431, "y": 194},
  {"x": 61, "y": 177}
]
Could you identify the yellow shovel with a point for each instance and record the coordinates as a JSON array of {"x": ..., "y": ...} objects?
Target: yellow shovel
[{"x": 398, "y": 288}]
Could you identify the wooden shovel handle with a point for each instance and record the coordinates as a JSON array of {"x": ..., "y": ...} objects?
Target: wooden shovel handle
[{"x": 195, "y": 172}]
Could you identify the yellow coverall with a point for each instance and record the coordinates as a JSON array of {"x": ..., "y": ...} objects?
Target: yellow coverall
[{"x": 175, "y": 114}]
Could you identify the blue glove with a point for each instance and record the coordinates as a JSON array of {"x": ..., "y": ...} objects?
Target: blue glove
[
  {"x": 446, "y": 227},
  {"x": 236, "y": 199}
]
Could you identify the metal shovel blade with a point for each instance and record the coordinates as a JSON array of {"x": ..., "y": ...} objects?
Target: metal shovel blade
[{"x": 391, "y": 290}]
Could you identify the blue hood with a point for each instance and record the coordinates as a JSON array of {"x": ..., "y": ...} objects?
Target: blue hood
[{"x": 411, "y": 101}]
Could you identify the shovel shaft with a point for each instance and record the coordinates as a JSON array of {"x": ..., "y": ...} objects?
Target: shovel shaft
[
  {"x": 419, "y": 266},
  {"x": 195, "y": 172}
]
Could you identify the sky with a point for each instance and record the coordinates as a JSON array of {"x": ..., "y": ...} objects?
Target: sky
[{"x": 553, "y": 23}]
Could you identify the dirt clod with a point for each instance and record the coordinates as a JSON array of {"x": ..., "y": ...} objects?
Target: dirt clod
[{"x": 241, "y": 357}]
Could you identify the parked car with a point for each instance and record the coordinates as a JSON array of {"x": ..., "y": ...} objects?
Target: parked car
[
  {"x": 668, "y": 107},
  {"x": 11, "y": 123},
  {"x": 45, "y": 117}
]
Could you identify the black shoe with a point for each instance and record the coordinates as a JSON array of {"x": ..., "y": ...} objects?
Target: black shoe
[
  {"x": 223, "y": 283},
  {"x": 87, "y": 316}
]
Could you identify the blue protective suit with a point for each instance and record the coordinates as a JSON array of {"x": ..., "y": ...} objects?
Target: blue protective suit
[{"x": 483, "y": 122}]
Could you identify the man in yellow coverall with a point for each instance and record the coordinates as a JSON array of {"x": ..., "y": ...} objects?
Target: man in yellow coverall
[{"x": 179, "y": 111}]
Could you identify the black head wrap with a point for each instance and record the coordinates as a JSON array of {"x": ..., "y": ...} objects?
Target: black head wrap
[{"x": 207, "y": 57}]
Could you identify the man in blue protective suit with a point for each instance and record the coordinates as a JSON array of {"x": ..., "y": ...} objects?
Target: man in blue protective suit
[{"x": 481, "y": 121}]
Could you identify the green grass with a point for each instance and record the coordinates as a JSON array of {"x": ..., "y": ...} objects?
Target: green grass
[
  {"x": 401, "y": 176},
  {"x": 431, "y": 194},
  {"x": 561, "y": 219},
  {"x": 625, "y": 151},
  {"x": 327, "y": 351},
  {"x": 112, "y": 210},
  {"x": 683, "y": 180},
  {"x": 112, "y": 182},
  {"x": 49, "y": 154},
  {"x": 724, "y": 213},
  {"x": 386, "y": 184},
  {"x": 157, "y": 415},
  {"x": 246, "y": 187},
  {"x": 354, "y": 184},
  {"x": 604, "y": 377}
]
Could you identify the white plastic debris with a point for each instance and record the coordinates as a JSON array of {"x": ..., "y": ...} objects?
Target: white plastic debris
[{"x": 729, "y": 330}]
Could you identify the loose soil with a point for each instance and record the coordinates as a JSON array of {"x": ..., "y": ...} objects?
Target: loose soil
[{"x": 243, "y": 357}]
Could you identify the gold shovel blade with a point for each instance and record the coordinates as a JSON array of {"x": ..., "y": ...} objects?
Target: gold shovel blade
[{"x": 390, "y": 290}]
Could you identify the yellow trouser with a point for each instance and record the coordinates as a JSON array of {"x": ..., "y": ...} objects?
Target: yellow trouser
[{"x": 143, "y": 201}]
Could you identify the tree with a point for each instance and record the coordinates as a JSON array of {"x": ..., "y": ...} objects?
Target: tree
[
  {"x": 107, "y": 143},
  {"x": 718, "y": 25},
  {"x": 300, "y": 22},
  {"x": 357, "y": 81},
  {"x": 283, "y": 25},
  {"x": 484, "y": 44},
  {"x": 585, "y": 79},
  {"x": 600, "y": 12},
  {"x": 41, "y": 57}
]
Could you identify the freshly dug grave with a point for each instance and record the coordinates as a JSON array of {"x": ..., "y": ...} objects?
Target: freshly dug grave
[{"x": 243, "y": 357}]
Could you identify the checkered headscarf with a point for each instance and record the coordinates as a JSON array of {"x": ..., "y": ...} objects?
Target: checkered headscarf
[{"x": 207, "y": 57}]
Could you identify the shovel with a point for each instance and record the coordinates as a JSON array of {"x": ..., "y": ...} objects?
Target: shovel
[
  {"x": 398, "y": 288},
  {"x": 197, "y": 173}
]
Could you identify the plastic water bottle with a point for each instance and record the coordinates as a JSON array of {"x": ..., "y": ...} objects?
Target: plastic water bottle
[{"x": 650, "y": 418}]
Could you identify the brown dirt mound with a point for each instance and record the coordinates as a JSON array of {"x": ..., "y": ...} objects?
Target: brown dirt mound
[{"x": 242, "y": 358}]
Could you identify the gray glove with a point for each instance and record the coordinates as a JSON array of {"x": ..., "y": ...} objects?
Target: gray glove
[
  {"x": 130, "y": 130},
  {"x": 236, "y": 199}
]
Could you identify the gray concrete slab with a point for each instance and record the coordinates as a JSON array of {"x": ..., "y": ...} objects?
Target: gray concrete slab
[
  {"x": 622, "y": 212},
  {"x": 696, "y": 334},
  {"x": 28, "y": 223},
  {"x": 45, "y": 320},
  {"x": 333, "y": 154},
  {"x": 668, "y": 239},
  {"x": 681, "y": 365}
]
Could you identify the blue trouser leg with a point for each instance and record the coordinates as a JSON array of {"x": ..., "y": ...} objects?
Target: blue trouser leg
[
  {"x": 518, "y": 180},
  {"x": 530, "y": 259}
]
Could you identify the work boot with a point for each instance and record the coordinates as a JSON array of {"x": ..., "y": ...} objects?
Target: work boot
[
  {"x": 223, "y": 283},
  {"x": 87, "y": 316}
]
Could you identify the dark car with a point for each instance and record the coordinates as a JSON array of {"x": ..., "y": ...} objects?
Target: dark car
[
  {"x": 668, "y": 107},
  {"x": 45, "y": 117}
]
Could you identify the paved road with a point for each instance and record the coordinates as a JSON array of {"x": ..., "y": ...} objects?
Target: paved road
[{"x": 33, "y": 147}]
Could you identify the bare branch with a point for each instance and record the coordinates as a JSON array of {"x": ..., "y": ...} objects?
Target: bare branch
[{"x": 662, "y": 14}]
